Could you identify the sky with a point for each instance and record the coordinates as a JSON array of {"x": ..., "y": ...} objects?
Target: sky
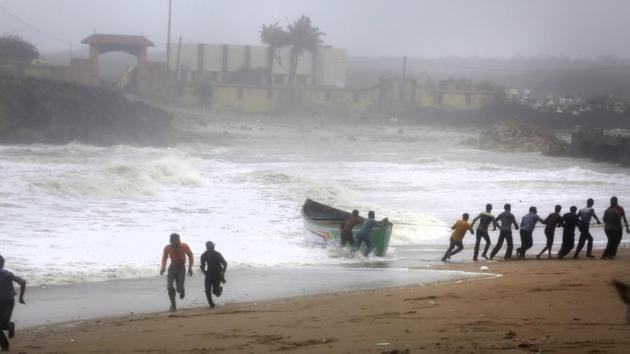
[{"x": 418, "y": 28}]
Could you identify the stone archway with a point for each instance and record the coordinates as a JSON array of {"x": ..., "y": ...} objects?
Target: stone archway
[{"x": 133, "y": 45}]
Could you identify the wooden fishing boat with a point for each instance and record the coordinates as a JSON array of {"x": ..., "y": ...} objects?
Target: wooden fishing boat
[{"x": 322, "y": 225}]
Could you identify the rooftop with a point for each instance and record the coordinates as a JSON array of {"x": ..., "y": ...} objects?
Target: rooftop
[{"x": 118, "y": 39}]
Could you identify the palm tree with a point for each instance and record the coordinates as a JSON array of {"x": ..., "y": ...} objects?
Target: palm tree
[
  {"x": 275, "y": 37},
  {"x": 302, "y": 36}
]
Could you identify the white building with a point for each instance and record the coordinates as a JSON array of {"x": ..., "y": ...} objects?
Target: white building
[{"x": 224, "y": 62}]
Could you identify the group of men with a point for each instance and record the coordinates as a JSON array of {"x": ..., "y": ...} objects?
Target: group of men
[
  {"x": 613, "y": 217},
  {"x": 363, "y": 236},
  {"x": 213, "y": 266}
]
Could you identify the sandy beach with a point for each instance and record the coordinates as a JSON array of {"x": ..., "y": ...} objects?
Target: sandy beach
[{"x": 534, "y": 306}]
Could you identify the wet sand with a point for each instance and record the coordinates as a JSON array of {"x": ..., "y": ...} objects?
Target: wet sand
[
  {"x": 535, "y": 306},
  {"x": 85, "y": 301}
]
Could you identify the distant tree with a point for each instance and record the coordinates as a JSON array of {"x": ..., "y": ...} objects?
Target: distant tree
[
  {"x": 275, "y": 37},
  {"x": 302, "y": 36},
  {"x": 14, "y": 48}
]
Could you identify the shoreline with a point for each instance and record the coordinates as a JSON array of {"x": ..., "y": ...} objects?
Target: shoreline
[
  {"x": 72, "y": 303},
  {"x": 563, "y": 306}
]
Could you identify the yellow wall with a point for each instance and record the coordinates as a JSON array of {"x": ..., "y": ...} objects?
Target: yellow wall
[
  {"x": 479, "y": 100},
  {"x": 426, "y": 98},
  {"x": 255, "y": 99},
  {"x": 251, "y": 99},
  {"x": 455, "y": 101}
]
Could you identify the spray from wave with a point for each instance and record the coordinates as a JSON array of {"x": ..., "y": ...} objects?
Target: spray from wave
[{"x": 115, "y": 178}]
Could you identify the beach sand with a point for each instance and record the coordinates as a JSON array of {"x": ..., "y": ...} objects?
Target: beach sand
[{"x": 541, "y": 306}]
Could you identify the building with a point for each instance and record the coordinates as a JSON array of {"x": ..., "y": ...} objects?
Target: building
[{"x": 247, "y": 64}]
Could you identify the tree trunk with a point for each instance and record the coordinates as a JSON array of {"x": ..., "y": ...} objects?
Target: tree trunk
[
  {"x": 270, "y": 57},
  {"x": 314, "y": 72},
  {"x": 293, "y": 67}
]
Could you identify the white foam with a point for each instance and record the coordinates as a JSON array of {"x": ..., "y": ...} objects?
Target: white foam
[{"x": 76, "y": 213}]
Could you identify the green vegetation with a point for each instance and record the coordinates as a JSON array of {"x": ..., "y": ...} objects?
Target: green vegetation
[
  {"x": 275, "y": 37},
  {"x": 300, "y": 36},
  {"x": 14, "y": 48}
]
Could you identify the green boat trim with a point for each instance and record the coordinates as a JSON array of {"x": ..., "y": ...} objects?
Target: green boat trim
[{"x": 322, "y": 225}]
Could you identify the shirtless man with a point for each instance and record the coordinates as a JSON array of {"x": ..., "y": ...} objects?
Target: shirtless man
[
  {"x": 177, "y": 251},
  {"x": 346, "y": 229}
]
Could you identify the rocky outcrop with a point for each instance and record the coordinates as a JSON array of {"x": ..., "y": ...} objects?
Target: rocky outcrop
[
  {"x": 49, "y": 112},
  {"x": 521, "y": 136}
]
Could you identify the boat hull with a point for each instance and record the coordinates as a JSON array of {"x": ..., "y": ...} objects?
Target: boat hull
[{"x": 327, "y": 231}]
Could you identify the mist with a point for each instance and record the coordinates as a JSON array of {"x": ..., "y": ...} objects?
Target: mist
[{"x": 432, "y": 29}]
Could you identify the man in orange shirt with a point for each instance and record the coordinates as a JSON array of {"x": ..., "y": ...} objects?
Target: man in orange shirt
[
  {"x": 459, "y": 231},
  {"x": 177, "y": 252}
]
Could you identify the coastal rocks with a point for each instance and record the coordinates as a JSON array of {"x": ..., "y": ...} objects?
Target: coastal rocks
[
  {"x": 518, "y": 136},
  {"x": 49, "y": 112}
]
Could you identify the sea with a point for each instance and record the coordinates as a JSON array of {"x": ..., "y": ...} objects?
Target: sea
[{"x": 78, "y": 213}]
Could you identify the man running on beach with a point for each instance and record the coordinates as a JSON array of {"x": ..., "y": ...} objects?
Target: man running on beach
[
  {"x": 213, "y": 266},
  {"x": 7, "y": 302},
  {"x": 584, "y": 220},
  {"x": 177, "y": 251},
  {"x": 346, "y": 230},
  {"x": 506, "y": 220},
  {"x": 459, "y": 231},
  {"x": 613, "y": 229},
  {"x": 552, "y": 221},
  {"x": 528, "y": 223},
  {"x": 569, "y": 222},
  {"x": 485, "y": 218}
]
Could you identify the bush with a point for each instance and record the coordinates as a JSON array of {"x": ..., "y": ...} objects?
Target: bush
[{"x": 14, "y": 48}]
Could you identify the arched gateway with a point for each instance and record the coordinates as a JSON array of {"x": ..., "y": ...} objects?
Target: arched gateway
[{"x": 133, "y": 45}]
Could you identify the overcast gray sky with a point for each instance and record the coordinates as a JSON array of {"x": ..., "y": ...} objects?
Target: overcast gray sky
[{"x": 484, "y": 28}]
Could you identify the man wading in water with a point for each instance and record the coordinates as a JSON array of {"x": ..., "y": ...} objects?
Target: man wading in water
[
  {"x": 346, "y": 229},
  {"x": 177, "y": 252}
]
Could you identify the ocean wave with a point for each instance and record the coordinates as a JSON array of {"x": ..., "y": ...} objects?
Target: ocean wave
[{"x": 122, "y": 178}]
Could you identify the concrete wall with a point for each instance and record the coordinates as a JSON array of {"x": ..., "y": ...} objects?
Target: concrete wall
[
  {"x": 258, "y": 56},
  {"x": 159, "y": 83},
  {"x": 236, "y": 57},
  {"x": 212, "y": 57},
  {"x": 244, "y": 99},
  {"x": 80, "y": 71},
  {"x": 330, "y": 62},
  {"x": 263, "y": 99},
  {"x": 334, "y": 60},
  {"x": 267, "y": 99}
]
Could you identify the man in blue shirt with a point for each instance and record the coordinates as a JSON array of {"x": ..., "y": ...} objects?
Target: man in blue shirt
[
  {"x": 363, "y": 236},
  {"x": 528, "y": 223},
  {"x": 7, "y": 302}
]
